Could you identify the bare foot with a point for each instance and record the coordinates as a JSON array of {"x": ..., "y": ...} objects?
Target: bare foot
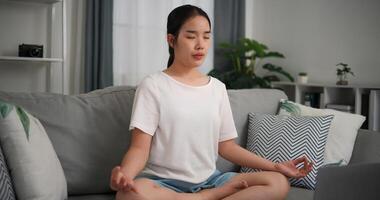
[{"x": 235, "y": 186}]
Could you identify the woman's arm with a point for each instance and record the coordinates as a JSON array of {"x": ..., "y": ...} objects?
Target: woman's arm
[
  {"x": 137, "y": 155},
  {"x": 133, "y": 162},
  {"x": 240, "y": 156},
  {"x": 231, "y": 151}
]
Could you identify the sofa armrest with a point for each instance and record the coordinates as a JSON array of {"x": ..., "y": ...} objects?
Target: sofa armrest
[
  {"x": 355, "y": 181},
  {"x": 367, "y": 147}
]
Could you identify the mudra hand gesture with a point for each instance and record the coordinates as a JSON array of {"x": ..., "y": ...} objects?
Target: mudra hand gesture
[
  {"x": 119, "y": 181},
  {"x": 289, "y": 169}
]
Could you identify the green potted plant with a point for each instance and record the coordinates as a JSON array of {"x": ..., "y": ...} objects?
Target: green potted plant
[
  {"x": 246, "y": 56},
  {"x": 342, "y": 73}
]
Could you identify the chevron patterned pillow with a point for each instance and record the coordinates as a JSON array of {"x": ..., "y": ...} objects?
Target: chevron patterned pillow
[
  {"x": 280, "y": 138},
  {"x": 342, "y": 134},
  {"x": 6, "y": 187}
]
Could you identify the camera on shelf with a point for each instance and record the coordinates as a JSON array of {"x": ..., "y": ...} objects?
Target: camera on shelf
[{"x": 30, "y": 50}]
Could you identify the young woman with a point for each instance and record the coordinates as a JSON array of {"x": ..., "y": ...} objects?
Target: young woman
[{"x": 181, "y": 121}]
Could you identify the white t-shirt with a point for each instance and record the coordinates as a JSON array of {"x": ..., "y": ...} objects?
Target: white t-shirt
[{"x": 186, "y": 122}]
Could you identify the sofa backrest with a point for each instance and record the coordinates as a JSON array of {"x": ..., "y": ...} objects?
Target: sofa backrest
[{"x": 89, "y": 132}]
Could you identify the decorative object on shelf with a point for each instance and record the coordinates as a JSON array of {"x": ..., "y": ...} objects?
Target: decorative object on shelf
[
  {"x": 30, "y": 50},
  {"x": 302, "y": 77},
  {"x": 342, "y": 73},
  {"x": 312, "y": 99},
  {"x": 246, "y": 56}
]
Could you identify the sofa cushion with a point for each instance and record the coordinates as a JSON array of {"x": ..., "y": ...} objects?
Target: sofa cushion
[
  {"x": 89, "y": 132},
  {"x": 244, "y": 101},
  {"x": 35, "y": 169},
  {"x": 300, "y": 193},
  {"x": 93, "y": 197},
  {"x": 6, "y": 187},
  {"x": 342, "y": 134},
  {"x": 281, "y": 138}
]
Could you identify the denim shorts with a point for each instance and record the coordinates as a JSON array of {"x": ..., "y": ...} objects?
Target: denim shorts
[{"x": 215, "y": 180}]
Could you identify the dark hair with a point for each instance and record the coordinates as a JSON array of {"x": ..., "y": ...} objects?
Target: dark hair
[{"x": 177, "y": 18}]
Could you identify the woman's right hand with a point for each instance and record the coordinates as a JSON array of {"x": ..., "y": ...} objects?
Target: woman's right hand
[{"x": 119, "y": 181}]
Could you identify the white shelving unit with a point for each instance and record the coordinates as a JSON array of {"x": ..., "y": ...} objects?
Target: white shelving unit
[
  {"x": 47, "y": 60},
  {"x": 15, "y": 58},
  {"x": 350, "y": 95},
  {"x": 37, "y": 1}
]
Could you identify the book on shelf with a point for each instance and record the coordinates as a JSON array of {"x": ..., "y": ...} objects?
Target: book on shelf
[
  {"x": 365, "y": 109},
  {"x": 374, "y": 107},
  {"x": 321, "y": 100},
  {"x": 312, "y": 99}
]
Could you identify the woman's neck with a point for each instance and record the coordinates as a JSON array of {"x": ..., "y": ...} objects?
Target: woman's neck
[{"x": 183, "y": 71}]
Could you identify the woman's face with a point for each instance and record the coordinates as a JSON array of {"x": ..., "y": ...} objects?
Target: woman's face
[{"x": 193, "y": 42}]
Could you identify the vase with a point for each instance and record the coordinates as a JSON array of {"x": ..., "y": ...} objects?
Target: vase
[
  {"x": 302, "y": 79},
  {"x": 342, "y": 80}
]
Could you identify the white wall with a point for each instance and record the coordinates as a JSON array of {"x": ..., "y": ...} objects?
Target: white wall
[{"x": 314, "y": 35}]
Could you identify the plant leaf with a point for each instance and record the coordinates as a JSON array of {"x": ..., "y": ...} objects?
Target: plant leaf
[
  {"x": 225, "y": 45},
  {"x": 291, "y": 108},
  {"x": 274, "y": 54},
  {"x": 271, "y": 78},
  {"x": 342, "y": 64},
  {"x": 261, "y": 82},
  {"x": 258, "y": 48},
  {"x": 5, "y": 109},
  {"x": 277, "y": 69},
  {"x": 24, "y": 120}
]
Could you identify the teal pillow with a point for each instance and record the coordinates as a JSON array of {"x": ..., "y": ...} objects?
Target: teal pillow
[{"x": 33, "y": 164}]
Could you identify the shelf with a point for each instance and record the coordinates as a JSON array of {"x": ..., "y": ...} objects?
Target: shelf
[
  {"x": 32, "y": 59},
  {"x": 332, "y": 85},
  {"x": 55, "y": 39},
  {"x": 354, "y": 96},
  {"x": 33, "y": 1}
]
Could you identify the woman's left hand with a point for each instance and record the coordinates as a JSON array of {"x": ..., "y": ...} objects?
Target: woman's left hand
[{"x": 289, "y": 169}]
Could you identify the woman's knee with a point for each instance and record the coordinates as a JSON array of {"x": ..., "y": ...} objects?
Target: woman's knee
[
  {"x": 141, "y": 185},
  {"x": 121, "y": 195},
  {"x": 280, "y": 183}
]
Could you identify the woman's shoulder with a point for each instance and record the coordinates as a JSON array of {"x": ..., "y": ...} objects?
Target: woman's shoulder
[
  {"x": 148, "y": 82},
  {"x": 150, "y": 78},
  {"x": 217, "y": 83}
]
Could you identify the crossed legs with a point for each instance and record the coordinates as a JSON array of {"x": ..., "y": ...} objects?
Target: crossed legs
[{"x": 261, "y": 185}]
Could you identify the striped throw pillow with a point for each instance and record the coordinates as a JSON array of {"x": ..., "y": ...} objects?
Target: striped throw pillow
[
  {"x": 280, "y": 138},
  {"x": 6, "y": 187}
]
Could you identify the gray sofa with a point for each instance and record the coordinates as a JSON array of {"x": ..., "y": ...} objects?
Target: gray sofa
[{"x": 90, "y": 135}]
